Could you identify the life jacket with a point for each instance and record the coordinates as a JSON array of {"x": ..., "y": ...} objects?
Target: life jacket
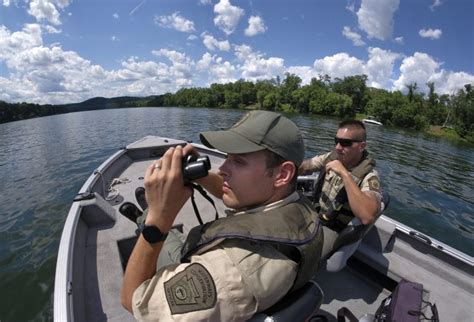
[
  {"x": 334, "y": 209},
  {"x": 294, "y": 230}
]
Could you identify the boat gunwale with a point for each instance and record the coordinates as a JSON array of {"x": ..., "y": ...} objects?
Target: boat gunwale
[{"x": 63, "y": 287}]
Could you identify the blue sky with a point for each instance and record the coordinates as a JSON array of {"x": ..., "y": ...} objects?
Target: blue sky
[{"x": 63, "y": 51}]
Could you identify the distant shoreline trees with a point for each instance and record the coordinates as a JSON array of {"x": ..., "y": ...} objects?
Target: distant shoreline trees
[{"x": 337, "y": 97}]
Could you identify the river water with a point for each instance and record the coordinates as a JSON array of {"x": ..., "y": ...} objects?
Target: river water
[{"x": 45, "y": 161}]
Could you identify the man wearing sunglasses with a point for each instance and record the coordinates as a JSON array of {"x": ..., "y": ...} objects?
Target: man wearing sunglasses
[{"x": 347, "y": 191}]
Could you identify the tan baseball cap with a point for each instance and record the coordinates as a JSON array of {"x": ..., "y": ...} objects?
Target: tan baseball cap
[{"x": 259, "y": 130}]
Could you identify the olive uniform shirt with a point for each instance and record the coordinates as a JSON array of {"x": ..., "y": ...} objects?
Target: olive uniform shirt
[{"x": 228, "y": 281}]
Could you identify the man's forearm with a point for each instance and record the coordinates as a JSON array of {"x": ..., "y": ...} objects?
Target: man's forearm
[
  {"x": 363, "y": 206},
  {"x": 140, "y": 267},
  {"x": 142, "y": 262}
]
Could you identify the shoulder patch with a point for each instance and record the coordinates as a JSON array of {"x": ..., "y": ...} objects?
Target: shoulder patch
[
  {"x": 374, "y": 184},
  {"x": 191, "y": 290}
]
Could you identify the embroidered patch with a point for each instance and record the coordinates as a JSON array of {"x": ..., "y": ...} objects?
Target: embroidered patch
[
  {"x": 374, "y": 184},
  {"x": 191, "y": 290}
]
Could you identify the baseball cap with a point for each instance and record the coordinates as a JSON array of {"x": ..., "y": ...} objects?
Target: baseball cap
[{"x": 259, "y": 130}]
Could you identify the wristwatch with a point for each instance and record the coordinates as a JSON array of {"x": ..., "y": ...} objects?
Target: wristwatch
[{"x": 152, "y": 234}]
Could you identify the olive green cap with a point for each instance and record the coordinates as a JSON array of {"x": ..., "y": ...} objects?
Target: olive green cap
[{"x": 259, "y": 130}]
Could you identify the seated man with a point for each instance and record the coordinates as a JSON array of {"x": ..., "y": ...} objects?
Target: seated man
[
  {"x": 348, "y": 189},
  {"x": 233, "y": 267}
]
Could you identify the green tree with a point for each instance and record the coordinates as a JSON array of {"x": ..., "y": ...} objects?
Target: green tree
[
  {"x": 270, "y": 101},
  {"x": 463, "y": 109},
  {"x": 338, "y": 104},
  {"x": 290, "y": 84},
  {"x": 354, "y": 87},
  {"x": 232, "y": 99}
]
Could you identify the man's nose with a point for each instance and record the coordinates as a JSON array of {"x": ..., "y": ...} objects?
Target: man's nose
[{"x": 223, "y": 169}]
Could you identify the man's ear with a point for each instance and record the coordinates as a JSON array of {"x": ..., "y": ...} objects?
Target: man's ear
[{"x": 285, "y": 174}]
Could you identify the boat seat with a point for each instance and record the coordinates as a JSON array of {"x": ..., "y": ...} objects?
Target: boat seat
[
  {"x": 352, "y": 234},
  {"x": 298, "y": 305}
]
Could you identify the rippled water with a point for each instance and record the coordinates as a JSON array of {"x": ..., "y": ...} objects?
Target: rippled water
[{"x": 45, "y": 161}]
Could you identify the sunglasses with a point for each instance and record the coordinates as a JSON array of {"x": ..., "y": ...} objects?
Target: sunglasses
[{"x": 345, "y": 142}]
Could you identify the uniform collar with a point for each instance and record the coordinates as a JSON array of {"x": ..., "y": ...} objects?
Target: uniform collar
[{"x": 277, "y": 204}]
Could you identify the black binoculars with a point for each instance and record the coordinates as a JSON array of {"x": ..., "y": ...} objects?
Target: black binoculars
[{"x": 195, "y": 168}]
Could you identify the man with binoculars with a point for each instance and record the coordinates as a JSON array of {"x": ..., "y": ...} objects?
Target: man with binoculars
[{"x": 233, "y": 267}]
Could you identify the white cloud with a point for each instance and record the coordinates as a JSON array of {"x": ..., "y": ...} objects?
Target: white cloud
[
  {"x": 52, "y": 75},
  {"x": 379, "y": 67},
  {"x": 339, "y": 65},
  {"x": 376, "y": 17},
  {"x": 353, "y": 36},
  {"x": 416, "y": 69},
  {"x": 204, "y": 2},
  {"x": 430, "y": 33},
  {"x": 143, "y": 78},
  {"x": 304, "y": 72},
  {"x": 192, "y": 37},
  {"x": 175, "y": 21},
  {"x": 135, "y": 69},
  {"x": 116, "y": 15},
  {"x": 255, "y": 66},
  {"x": 399, "y": 40},
  {"x": 14, "y": 43},
  {"x": 181, "y": 66},
  {"x": 212, "y": 43},
  {"x": 114, "y": 38},
  {"x": 218, "y": 71},
  {"x": 52, "y": 30},
  {"x": 204, "y": 62},
  {"x": 6, "y": 3},
  {"x": 421, "y": 68},
  {"x": 256, "y": 26},
  {"x": 436, "y": 3},
  {"x": 227, "y": 16},
  {"x": 47, "y": 10},
  {"x": 351, "y": 7},
  {"x": 450, "y": 82}
]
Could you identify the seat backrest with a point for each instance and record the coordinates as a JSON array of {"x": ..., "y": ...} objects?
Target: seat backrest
[
  {"x": 295, "y": 306},
  {"x": 352, "y": 234}
]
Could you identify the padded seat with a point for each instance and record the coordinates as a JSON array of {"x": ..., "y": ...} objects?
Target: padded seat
[
  {"x": 296, "y": 306},
  {"x": 352, "y": 234}
]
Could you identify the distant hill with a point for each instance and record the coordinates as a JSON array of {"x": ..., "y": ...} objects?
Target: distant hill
[
  {"x": 99, "y": 103},
  {"x": 10, "y": 112}
]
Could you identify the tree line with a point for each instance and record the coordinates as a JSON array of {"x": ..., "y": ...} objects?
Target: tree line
[{"x": 338, "y": 97}]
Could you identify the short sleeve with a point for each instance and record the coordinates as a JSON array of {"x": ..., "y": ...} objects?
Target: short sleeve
[{"x": 209, "y": 288}]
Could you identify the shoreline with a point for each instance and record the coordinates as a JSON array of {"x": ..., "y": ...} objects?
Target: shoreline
[{"x": 436, "y": 131}]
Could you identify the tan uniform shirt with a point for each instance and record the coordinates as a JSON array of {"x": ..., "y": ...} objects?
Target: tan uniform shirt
[
  {"x": 370, "y": 183},
  {"x": 231, "y": 281}
]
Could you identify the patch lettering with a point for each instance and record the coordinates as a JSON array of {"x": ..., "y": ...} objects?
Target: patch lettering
[
  {"x": 191, "y": 290},
  {"x": 374, "y": 184}
]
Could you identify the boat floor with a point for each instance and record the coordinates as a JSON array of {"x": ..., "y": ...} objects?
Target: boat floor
[{"x": 351, "y": 289}]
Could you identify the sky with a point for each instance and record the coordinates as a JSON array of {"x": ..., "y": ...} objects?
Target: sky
[{"x": 66, "y": 51}]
